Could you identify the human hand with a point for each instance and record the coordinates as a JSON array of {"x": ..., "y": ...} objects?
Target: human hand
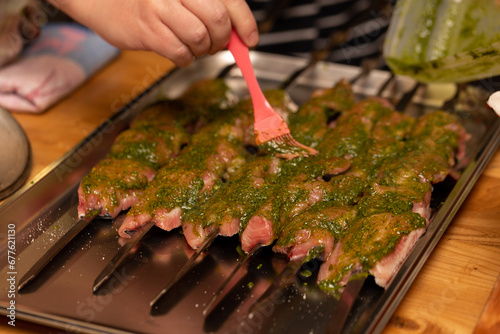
[{"x": 179, "y": 30}]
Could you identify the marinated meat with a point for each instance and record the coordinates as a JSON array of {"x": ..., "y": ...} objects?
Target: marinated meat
[
  {"x": 384, "y": 141},
  {"x": 351, "y": 131},
  {"x": 153, "y": 146},
  {"x": 366, "y": 242},
  {"x": 232, "y": 205},
  {"x": 112, "y": 186},
  {"x": 310, "y": 123},
  {"x": 396, "y": 210},
  {"x": 320, "y": 225},
  {"x": 299, "y": 187},
  {"x": 216, "y": 153},
  {"x": 107, "y": 189},
  {"x": 206, "y": 100},
  {"x": 182, "y": 185},
  {"x": 154, "y": 138},
  {"x": 360, "y": 205}
]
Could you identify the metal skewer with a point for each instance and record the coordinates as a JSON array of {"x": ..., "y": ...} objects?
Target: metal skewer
[
  {"x": 367, "y": 65},
  {"x": 225, "y": 71},
  {"x": 285, "y": 278},
  {"x": 53, "y": 251},
  {"x": 384, "y": 86},
  {"x": 243, "y": 261},
  {"x": 344, "y": 306},
  {"x": 407, "y": 97},
  {"x": 450, "y": 104},
  {"x": 187, "y": 267},
  {"x": 336, "y": 39},
  {"x": 121, "y": 255}
]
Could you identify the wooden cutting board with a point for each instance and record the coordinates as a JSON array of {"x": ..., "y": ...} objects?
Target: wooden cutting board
[{"x": 489, "y": 322}]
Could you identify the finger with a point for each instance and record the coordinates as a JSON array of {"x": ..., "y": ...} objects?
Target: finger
[
  {"x": 215, "y": 17},
  {"x": 243, "y": 21},
  {"x": 166, "y": 43},
  {"x": 188, "y": 28}
]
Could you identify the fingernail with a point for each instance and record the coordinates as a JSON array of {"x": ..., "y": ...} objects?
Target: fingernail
[{"x": 253, "y": 38}]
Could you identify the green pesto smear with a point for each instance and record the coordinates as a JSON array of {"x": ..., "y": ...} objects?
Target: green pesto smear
[
  {"x": 128, "y": 175},
  {"x": 326, "y": 216},
  {"x": 283, "y": 149},
  {"x": 172, "y": 194},
  {"x": 310, "y": 123},
  {"x": 444, "y": 41},
  {"x": 208, "y": 99},
  {"x": 110, "y": 179},
  {"x": 368, "y": 240},
  {"x": 144, "y": 151},
  {"x": 149, "y": 144},
  {"x": 351, "y": 134},
  {"x": 236, "y": 199}
]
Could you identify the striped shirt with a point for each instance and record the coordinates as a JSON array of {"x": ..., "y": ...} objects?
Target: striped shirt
[{"x": 303, "y": 26}]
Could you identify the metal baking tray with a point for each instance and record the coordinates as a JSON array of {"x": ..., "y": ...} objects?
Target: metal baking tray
[{"x": 61, "y": 295}]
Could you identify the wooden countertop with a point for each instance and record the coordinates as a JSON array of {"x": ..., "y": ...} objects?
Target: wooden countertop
[{"x": 450, "y": 292}]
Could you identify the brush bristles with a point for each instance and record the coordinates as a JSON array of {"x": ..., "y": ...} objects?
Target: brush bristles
[{"x": 289, "y": 140}]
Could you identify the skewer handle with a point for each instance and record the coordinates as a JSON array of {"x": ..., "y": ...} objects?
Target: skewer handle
[
  {"x": 121, "y": 255},
  {"x": 53, "y": 251},
  {"x": 243, "y": 261},
  {"x": 187, "y": 267}
]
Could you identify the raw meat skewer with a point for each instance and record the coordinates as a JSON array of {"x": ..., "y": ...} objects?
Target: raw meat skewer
[
  {"x": 241, "y": 206},
  {"x": 314, "y": 116},
  {"x": 313, "y": 233},
  {"x": 387, "y": 142},
  {"x": 216, "y": 153},
  {"x": 194, "y": 175},
  {"x": 304, "y": 232},
  {"x": 154, "y": 138},
  {"x": 396, "y": 212},
  {"x": 115, "y": 183},
  {"x": 347, "y": 139},
  {"x": 156, "y": 115},
  {"x": 206, "y": 99},
  {"x": 253, "y": 173},
  {"x": 229, "y": 208},
  {"x": 310, "y": 123}
]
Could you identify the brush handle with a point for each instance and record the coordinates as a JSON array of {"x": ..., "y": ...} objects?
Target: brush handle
[{"x": 262, "y": 108}]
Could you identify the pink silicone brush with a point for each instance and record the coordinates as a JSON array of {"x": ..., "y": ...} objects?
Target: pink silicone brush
[{"x": 269, "y": 125}]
